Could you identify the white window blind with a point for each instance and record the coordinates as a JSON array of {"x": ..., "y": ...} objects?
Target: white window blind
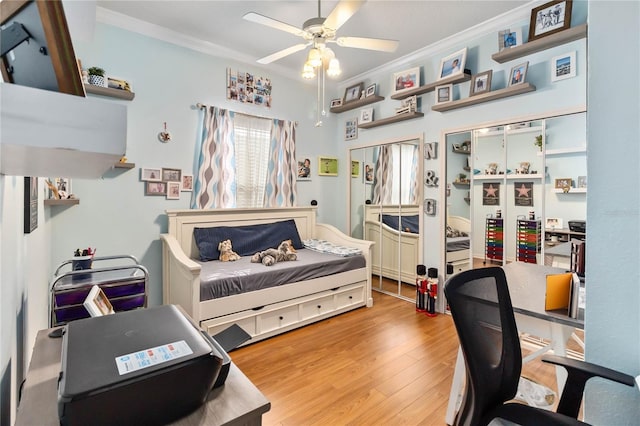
[{"x": 252, "y": 136}]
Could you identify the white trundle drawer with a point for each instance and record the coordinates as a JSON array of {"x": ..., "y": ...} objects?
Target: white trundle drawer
[
  {"x": 319, "y": 306},
  {"x": 277, "y": 318},
  {"x": 350, "y": 296}
]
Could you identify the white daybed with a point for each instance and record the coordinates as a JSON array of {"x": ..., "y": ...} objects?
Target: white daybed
[
  {"x": 458, "y": 248},
  {"x": 266, "y": 312},
  {"x": 391, "y": 241}
]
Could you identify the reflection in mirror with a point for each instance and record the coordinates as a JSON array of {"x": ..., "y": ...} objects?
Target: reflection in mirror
[
  {"x": 389, "y": 195},
  {"x": 458, "y": 209}
]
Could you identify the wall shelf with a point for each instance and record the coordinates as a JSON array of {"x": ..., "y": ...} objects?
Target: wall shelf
[
  {"x": 563, "y": 151},
  {"x": 571, "y": 191},
  {"x": 56, "y": 202},
  {"x": 465, "y": 76},
  {"x": 393, "y": 119},
  {"x": 111, "y": 93},
  {"x": 486, "y": 97},
  {"x": 124, "y": 165},
  {"x": 357, "y": 104},
  {"x": 553, "y": 40}
]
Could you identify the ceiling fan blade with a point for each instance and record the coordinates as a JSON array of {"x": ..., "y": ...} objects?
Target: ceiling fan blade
[
  {"x": 282, "y": 53},
  {"x": 273, "y": 23},
  {"x": 380, "y": 44},
  {"x": 341, "y": 13}
]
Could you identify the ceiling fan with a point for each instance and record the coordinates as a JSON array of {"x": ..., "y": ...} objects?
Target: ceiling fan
[{"x": 319, "y": 31}]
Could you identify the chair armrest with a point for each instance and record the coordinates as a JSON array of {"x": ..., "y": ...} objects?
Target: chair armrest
[{"x": 578, "y": 372}]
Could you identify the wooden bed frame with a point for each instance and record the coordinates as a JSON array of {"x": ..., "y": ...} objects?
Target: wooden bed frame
[
  {"x": 391, "y": 240},
  {"x": 267, "y": 312}
]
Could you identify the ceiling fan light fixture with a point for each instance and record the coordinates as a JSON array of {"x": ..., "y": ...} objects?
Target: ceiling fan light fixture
[
  {"x": 334, "y": 68},
  {"x": 307, "y": 71},
  {"x": 314, "y": 58}
]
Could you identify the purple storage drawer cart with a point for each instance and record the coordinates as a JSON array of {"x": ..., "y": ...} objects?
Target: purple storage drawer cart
[{"x": 122, "y": 278}]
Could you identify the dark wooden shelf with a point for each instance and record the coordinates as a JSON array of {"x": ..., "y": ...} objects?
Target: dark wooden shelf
[
  {"x": 111, "y": 93},
  {"x": 485, "y": 97},
  {"x": 553, "y": 40},
  {"x": 462, "y": 184},
  {"x": 461, "y": 151},
  {"x": 124, "y": 165},
  {"x": 55, "y": 202},
  {"x": 357, "y": 104},
  {"x": 465, "y": 76},
  {"x": 393, "y": 119}
]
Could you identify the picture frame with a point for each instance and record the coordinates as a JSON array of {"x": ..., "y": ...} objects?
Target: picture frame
[
  {"x": 518, "y": 74},
  {"x": 366, "y": 115},
  {"x": 327, "y": 166},
  {"x": 480, "y": 83},
  {"x": 553, "y": 223},
  {"x": 509, "y": 38},
  {"x": 550, "y": 18},
  {"x": 563, "y": 66},
  {"x": 565, "y": 184},
  {"x": 173, "y": 190},
  {"x": 355, "y": 168},
  {"x": 97, "y": 303},
  {"x": 351, "y": 129},
  {"x": 352, "y": 93},
  {"x": 171, "y": 175},
  {"x": 444, "y": 93},
  {"x": 370, "y": 91},
  {"x": 186, "y": 185},
  {"x": 151, "y": 174},
  {"x": 304, "y": 169},
  {"x": 453, "y": 64},
  {"x": 63, "y": 187},
  {"x": 369, "y": 173},
  {"x": 155, "y": 188},
  {"x": 336, "y": 103},
  {"x": 405, "y": 80},
  {"x": 582, "y": 182},
  {"x": 30, "y": 204}
]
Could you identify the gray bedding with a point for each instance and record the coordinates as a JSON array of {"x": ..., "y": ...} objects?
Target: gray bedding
[
  {"x": 457, "y": 243},
  {"x": 220, "y": 279}
]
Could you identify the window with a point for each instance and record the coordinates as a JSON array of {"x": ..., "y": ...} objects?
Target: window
[{"x": 252, "y": 140}]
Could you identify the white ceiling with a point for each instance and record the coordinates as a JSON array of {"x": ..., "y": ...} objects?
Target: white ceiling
[{"x": 219, "y": 26}]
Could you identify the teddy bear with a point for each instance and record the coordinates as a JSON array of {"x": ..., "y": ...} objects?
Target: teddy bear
[
  {"x": 284, "y": 252},
  {"x": 226, "y": 252}
]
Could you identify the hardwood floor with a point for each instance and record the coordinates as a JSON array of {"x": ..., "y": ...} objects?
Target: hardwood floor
[{"x": 384, "y": 365}]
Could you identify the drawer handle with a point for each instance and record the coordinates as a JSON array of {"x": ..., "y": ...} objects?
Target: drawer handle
[
  {"x": 281, "y": 318},
  {"x": 319, "y": 306},
  {"x": 257, "y": 308},
  {"x": 350, "y": 297}
]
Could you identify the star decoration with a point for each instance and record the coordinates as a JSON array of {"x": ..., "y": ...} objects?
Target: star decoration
[
  {"x": 491, "y": 191},
  {"x": 523, "y": 191}
]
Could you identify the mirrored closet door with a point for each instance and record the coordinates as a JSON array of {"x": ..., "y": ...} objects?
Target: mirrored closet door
[{"x": 386, "y": 208}]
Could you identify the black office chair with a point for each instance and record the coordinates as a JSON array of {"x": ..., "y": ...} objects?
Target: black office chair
[{"x": 483, "y": 315}]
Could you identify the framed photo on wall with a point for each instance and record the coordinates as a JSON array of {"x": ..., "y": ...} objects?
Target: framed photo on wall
[
  {"x": 352, "y": 93},
  {"x": 563, "y": 66},
  {"x": 155, "y": 188},
  {"x": 453, "y": 64},
  {"x": 518, "y": 74},
  {"x": 151, "y": 175},
  {"x": 173, "y": 190},
  {"x": 171, "y": 175},
  {"x": 405, "y": 80},
  {"x": 366, "y": 115},
  {"x": 351, "y": 129},
  {"x": 30, "y": 204},
  {"x": 187, "y": 183},
  {"x": 509, "y": 38},
  {"x": 355, "y": 169},
  {"x": 368, "y": 173},
  {"x": 480, "y": 83},
  {"x": 444, "y": 93},
  {"x": 550, "y": 18},
  {"x": 327, "y": 166},
  {"x": 304, "y": 169}
]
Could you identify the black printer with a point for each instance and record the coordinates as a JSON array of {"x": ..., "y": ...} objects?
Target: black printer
[
  {"x": 146, "y": 366},
  {"x": 578, "y": 226}
]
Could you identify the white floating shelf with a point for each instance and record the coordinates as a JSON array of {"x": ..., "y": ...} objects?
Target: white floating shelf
[{"x": 571, "y": 191}]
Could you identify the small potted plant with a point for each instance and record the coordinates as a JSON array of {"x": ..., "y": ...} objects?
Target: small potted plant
[
  {"x": 538, "y": 142},
  {"x": 96, "y": 77}
]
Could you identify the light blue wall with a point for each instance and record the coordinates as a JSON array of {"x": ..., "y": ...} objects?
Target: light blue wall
[
  {"x": 114, "y": 215},
  {"x": 613, "y": 210}
]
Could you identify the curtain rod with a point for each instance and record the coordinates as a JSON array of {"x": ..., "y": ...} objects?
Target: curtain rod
[{"x": 203, "y": 106}]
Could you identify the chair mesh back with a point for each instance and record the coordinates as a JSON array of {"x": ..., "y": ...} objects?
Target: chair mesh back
[{"x": 483, "y": 315}]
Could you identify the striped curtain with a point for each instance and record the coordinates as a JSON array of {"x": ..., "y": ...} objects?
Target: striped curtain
[
  {"x": 413, "y": 178},
  {"x": 383, "y": 178},
  {"x": 215, "y": 183},
  {"x": 283, "y": 169}
]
